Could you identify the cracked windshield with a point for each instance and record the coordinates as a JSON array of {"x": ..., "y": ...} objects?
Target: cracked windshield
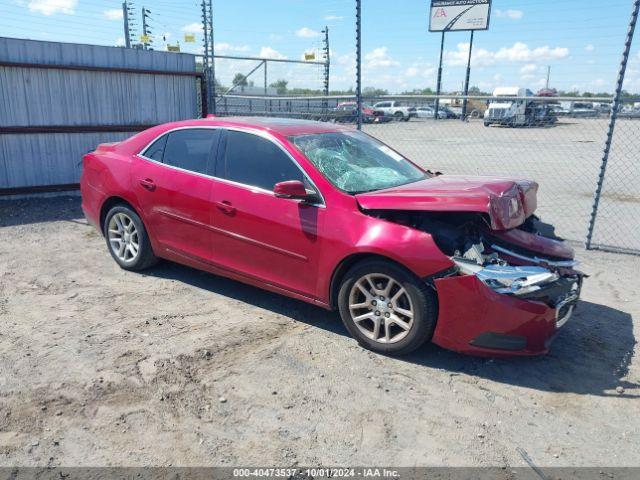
[{"x": 356, "y": 163}]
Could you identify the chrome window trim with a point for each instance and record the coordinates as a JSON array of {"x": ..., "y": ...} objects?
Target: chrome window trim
[{"x": 249, "y": 130}]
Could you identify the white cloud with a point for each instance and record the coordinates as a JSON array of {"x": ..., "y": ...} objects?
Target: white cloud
[
  {"x": 50, "y": 7},
  {"x": 519, "y": 52},
  {"x": 268, "y": 52},
  {"x": 120, "y": 42},
  {"x": 193, "y": 28},
  {"x": 527, "y": 71},
  {"x": 333, "y": 18},
  {"x": 589, "y": 48},
  {"x": 113, "y": 14},
  {"x": 411, "y": 72},
  {"x": 379, "y": 58},
  {"x": 306, "y": 32},
  {"x": 512, "y": 14},
  {"x": 346, "y": 59},
  {"x": 223, "y": 47}
]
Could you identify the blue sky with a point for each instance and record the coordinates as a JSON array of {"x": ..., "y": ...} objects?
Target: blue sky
[{"x": 580, "y": 39}]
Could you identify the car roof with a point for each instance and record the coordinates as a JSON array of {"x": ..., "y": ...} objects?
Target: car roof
[{"x": 282, "y": 126}]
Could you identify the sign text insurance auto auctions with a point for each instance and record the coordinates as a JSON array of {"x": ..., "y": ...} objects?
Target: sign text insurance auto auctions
[{"x": 455, "y": 15}]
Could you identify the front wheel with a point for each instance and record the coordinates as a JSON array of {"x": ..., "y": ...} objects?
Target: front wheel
[
  {"x": 398, "y": 116},
  {"x": 386, "y": 308}
]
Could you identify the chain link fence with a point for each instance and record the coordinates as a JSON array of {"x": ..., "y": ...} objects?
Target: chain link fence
[{"x": 556, "y": 141}]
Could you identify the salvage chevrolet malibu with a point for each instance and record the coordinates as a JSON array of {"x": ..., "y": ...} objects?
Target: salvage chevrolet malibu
[{"x": 326, "y": 214}]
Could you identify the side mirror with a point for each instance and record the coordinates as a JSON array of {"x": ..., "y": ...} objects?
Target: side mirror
[{"x": 293, "y": 189}]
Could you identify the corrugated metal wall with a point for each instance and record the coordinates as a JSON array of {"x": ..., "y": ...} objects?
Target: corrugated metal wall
[{"x": 163, "y": 89}]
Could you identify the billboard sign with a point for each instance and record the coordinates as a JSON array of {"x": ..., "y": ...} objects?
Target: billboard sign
[{"x": 457, "y": 15}]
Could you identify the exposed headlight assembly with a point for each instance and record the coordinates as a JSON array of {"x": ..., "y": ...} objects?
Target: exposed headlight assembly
[{"x": 507, "y": 279}]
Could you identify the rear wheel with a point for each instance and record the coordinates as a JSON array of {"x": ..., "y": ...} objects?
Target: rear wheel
[
  {"x": 127, "y": 239},
  {"x": 386, "y": 308}
]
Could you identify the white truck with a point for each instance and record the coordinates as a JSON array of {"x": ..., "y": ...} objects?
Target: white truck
[
  {"x": 517, "y": 112},
  {"x": 397, "y": 110}
]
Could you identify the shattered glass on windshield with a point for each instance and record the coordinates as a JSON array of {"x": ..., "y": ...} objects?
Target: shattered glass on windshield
[{"x": 355, "y": 162}]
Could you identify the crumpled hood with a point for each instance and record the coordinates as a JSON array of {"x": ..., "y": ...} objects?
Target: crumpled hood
[{"x": 508, "y": 202}]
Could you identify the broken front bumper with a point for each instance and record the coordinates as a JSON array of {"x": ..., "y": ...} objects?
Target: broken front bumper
[{"x": 480, "y": 319}]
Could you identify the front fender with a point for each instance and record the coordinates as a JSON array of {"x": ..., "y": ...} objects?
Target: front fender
[{"x": 407, "y": 246}]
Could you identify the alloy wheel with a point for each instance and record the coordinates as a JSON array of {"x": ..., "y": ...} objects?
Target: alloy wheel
[
  {"x": 381, "y": 308},
  {"x": 123, "y": 237}
]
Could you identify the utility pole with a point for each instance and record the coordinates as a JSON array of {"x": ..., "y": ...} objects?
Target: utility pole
[
  {"x": 145, "y": 29},
  {"x": 129, "y": 25},
  {"x": 125, "y": 17},
  {"x": 208, "y": 57},
  {"x": 439, "y": 83},
  {"x": 358, "y": 64},
  {"x": 548, "y": 75},
  {"x": 466, "y": 81},
  {"x": 326, "y": 60}
]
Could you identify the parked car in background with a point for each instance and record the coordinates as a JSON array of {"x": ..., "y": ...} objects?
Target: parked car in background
[
  {"x": 429, "y": 111},
  {"x": 397, "y": 110},
  {"x": 347, "y": 112},
  {"x": 329, "y": 215},
  {"x": 447, "y": 112},
  {"x": 629, "y": 112},
  {"x": 454, "y": 110},
  {"x": 580, "y": 109}
]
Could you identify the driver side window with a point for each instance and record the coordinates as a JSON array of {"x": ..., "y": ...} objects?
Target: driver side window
[{"x": 256, "y": 161}]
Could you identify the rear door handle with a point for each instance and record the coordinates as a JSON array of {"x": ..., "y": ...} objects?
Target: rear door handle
[
  {"x": 148, "y": 184},
  {"x": 226, "y": 207}
]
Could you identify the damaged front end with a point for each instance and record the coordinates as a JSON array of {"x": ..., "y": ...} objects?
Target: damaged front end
[{"x": 510, "y": 290}]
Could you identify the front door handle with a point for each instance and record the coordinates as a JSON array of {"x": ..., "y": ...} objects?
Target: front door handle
[
  {"x": 226, "y": 207},
  {"x": 148, "y": 184}
]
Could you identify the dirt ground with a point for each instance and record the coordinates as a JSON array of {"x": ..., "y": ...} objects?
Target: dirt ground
[{"x": 176, "y": 367}]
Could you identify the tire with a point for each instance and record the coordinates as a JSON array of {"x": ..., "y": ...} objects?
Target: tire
[
  {"x": 121, "y": 239},
  {"x": 392, "y": 338},
  {"x": 486, "y": 124},
  {"x": 398, "y": 116}
]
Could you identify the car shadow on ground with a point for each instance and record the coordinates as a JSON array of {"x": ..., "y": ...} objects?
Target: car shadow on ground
[
  {"x": 590, "y": 356},
  {"x": 40, "y": 209}
]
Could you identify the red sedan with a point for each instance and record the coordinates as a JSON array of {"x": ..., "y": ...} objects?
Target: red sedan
[{"x": 329, "y": 215}]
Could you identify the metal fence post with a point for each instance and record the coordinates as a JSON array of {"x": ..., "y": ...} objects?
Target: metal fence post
[
  {"x": 358, "y": 65},
  {"x": 612, "y": 121}
]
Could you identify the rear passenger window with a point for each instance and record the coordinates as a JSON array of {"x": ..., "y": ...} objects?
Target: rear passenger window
[
  {"x": 258, "y": 162},
  {"x": 156, "y": 149},
  {"x": 191, "y": 149}
]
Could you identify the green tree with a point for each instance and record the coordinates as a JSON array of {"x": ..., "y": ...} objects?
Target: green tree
[
  {"x": 374, "y": 92},
  {"x": 280, "y": 86},
  {"x": 240, "y": 80}
]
